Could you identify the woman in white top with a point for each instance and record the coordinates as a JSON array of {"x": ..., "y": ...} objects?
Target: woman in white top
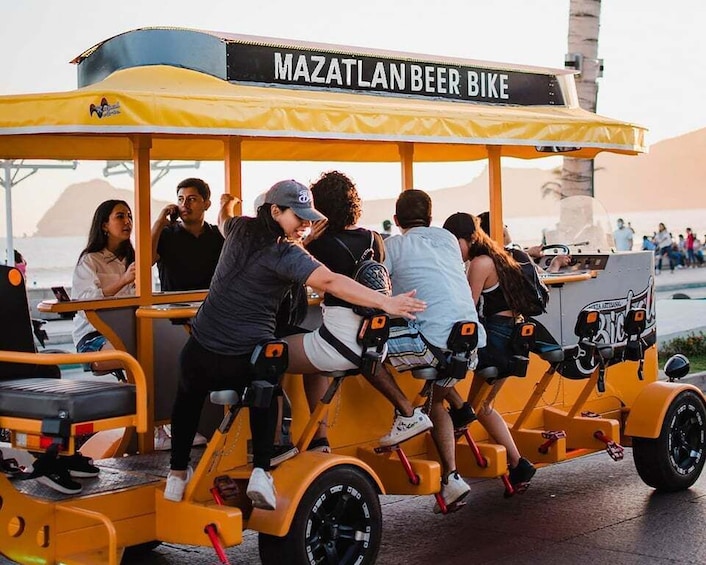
[
  {"x": 663, "y": 241},
  {"x": 105, "y": 268}
]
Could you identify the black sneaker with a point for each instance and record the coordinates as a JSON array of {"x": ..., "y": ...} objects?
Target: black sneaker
[
  {"x": 282, "y": 453},
  {"x": 463, "y": 416},
  {"x": 80, "y": 466},
  {"x": 523, "y": 473},
  {"x": 50, "y": 471}
]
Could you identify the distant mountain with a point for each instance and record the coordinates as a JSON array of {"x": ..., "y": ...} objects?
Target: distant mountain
[
  {"x": 72, "y": 213},
  {"x": 521, "y": 197},
  {"x": 671, "y": 176}
]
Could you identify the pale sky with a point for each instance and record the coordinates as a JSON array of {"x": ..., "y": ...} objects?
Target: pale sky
[{"x": 653, "y": 55}]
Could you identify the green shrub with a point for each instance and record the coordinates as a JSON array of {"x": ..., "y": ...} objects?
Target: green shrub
[{"x": 692, "y": 345}]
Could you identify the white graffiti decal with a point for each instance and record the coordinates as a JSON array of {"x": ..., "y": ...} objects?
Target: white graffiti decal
[
  {"x": 612, "y": 314},
  {"x": 613, "y": 311}
]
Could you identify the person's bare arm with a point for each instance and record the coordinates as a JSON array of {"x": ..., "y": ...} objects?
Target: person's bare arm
[
  {"x": 228, "y": 202},
  {"x": 127, "y": 278},
  {"x": 347, "y": 289},
  {"x": 317, "y": 228},
  {"x": 160, "y": 223},
  {"x": 478, "y": 272}
]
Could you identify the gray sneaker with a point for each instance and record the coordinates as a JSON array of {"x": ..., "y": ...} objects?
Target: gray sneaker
[{"x": 406, "y": 428}]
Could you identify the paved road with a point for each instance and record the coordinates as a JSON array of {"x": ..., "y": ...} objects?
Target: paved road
[{"x": 590, "y": 510}]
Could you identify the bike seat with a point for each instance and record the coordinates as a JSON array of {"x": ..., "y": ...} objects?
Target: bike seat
[
  {"x": 553, "y": 355},
  {"x": 487, "y": 373},
  {"x": 224, "y": 397}
]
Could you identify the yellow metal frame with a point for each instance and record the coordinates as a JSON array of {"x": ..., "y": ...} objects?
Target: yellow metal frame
[{"x": 650, "y": 407}]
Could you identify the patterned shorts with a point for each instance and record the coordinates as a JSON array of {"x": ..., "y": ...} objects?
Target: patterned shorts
[{"x": 407, "y": 350}]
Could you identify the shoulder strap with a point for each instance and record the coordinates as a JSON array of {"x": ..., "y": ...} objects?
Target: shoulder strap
[
  {"x": 339, "y": 346},
  {"x": 370, "y": 250},
  {"x": 346, "y": 248}
]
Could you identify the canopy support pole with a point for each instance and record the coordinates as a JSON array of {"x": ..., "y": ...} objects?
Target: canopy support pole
[
  {"x": 141, "y": 145},
  {"x": 234, "y": 170},
  {"x": 495, "y": 193},
  {"x": 407, "y": 162},
  {"x": 9, "y": 243}
]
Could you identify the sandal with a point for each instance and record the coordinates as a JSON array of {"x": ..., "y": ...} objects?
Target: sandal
[{"x": 320, "y": 444}]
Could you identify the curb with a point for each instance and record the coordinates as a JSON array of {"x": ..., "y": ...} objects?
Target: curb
[{"x": 679, "y": 286}]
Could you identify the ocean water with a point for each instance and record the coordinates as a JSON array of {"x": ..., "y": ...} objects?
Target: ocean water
[{"x": 50, "y": 260}]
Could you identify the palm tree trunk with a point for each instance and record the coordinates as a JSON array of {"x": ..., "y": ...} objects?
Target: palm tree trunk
[{"x": 584, "y": 24}]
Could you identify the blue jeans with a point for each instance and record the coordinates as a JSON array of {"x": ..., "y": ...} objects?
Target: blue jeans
[
  {"x": 661, "y": 253},
  {"x": 497, "y": 351}
]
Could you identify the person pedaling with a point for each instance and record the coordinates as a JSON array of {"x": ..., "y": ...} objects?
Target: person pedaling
[{"x": 235, "y": 318}]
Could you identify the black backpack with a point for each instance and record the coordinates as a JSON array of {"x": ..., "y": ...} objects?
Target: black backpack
[
  {"x": 536, "y": 291},
  {"x": 370, "y": 273}
]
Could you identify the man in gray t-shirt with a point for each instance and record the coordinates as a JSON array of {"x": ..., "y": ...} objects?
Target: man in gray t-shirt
[{"x": 271, "y": 271}]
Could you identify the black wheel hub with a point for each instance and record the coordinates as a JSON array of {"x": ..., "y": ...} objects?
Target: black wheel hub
[
  {"x": 686, "y": 440},
  {"x": 338, "y": 528}
]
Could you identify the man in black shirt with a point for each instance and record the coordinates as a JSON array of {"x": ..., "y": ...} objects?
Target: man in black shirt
[{"x": 186, "y": 251}]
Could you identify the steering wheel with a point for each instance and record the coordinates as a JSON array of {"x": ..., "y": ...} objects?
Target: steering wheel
[
  {"x": 549, "y": 252},
  {"x": 556, "y": 249}
]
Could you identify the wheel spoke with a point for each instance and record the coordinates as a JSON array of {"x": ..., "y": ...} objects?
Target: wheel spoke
[
  {"x": 340, "y": 507},
  {"x": 331, "y": 553},
  {"x": 347, "y": 533}
]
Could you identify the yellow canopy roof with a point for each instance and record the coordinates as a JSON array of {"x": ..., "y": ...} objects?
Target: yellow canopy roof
[{"x": 188, "y": 114}]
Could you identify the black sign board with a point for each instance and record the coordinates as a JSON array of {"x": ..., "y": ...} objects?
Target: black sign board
[{"x": 317, "y": 69}]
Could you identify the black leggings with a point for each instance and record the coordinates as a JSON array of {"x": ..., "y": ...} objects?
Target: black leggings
[{"x": 201, "y": 372}]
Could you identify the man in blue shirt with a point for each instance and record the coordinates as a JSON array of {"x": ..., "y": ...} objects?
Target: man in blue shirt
[{"x": 428, "y": 259}]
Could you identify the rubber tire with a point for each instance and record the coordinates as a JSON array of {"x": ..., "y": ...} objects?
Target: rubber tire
[
  {"x": 656, "y": 463},
  {"x": 133, "y": 552},
  {"x": 324, "y": 493}
]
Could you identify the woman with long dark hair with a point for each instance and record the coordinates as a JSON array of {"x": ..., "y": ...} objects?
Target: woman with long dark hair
[
  {"x": 260, "y": 261},
  {"x": 105, "y": 268},
  {"x": 500, "y": 295}
]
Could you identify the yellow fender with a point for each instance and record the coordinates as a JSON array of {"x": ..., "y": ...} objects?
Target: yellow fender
[
  {"x": 292, "y": 479},
  {"x": 650, "y": 407}
]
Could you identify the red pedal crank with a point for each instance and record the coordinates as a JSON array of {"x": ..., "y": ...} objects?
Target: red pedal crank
[
  {"x": 615, "y": 450},
  {"x": 212, "y": 532},
  {"x": 552, "y": 437},
  {"x": 411, "y": 475},
  {"x": 481, "y": 461}
]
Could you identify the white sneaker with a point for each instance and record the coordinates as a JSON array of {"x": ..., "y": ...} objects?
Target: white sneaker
[
  {"x": 261, "y": 490},
  {"x": 162, "y": 441},
  {"x": 406, "y": 428},
  {"x": 175, "y": 487},
  {"x": 453, "y": 491}
]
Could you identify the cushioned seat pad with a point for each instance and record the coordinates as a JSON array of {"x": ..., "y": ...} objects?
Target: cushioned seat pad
[{"x": 82, "y": 399}]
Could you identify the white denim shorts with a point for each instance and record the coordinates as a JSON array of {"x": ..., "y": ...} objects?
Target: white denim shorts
[{"x": 342, "y": 323}]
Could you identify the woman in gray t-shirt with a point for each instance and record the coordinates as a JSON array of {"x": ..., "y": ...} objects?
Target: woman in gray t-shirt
[{"x": 259, "y": 262}]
